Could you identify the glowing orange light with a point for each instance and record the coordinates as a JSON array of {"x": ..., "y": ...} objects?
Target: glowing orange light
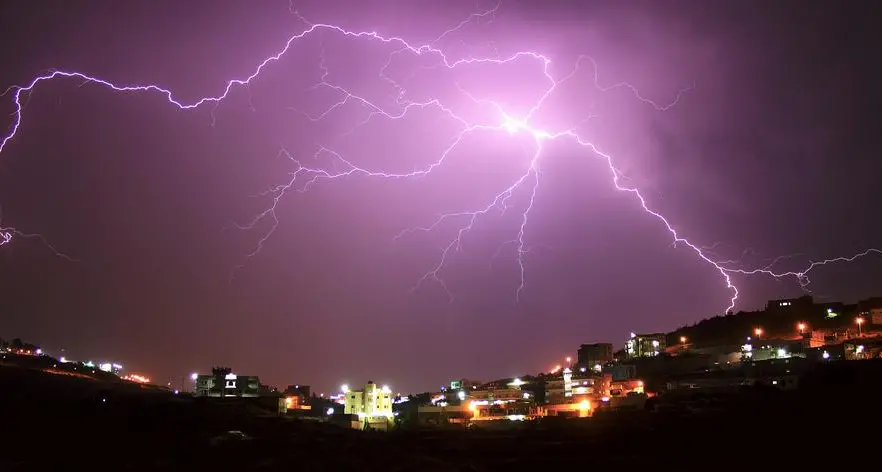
[
  {"x": 136, "y": 378},
  {"x": 758, "y": 331},
  {"x": 801, "y": 327},
  {"x": 859, "y": 320},
  {"x": 474, "y": 409}
]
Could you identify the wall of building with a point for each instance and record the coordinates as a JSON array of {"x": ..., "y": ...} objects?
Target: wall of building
[
  {"x": 645, "y": 345},
  {"x": 227, "y": 384},
  {"x": 623, "y": 371},
  {"x": 370, "y": 402},
  {"x": 590, "y": 355},
  {"x": 876, "y": 316},
  {"x": 499, "y": 394}
]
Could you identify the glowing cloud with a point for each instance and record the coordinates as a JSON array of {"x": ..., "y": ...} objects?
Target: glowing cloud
[{"x": 502, "y": 122}]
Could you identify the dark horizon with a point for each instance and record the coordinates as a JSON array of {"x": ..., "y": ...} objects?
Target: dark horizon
[{"x": 770, "y": 152}]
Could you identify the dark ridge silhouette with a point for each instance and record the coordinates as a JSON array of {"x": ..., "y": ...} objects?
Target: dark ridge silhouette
[
  {"x": 776, "y": 321},
  {"x": 56, "y": 422}
]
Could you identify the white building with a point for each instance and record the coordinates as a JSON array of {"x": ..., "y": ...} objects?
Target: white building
[
  {"x": 645, "y": 345},
  {"x": 370, "y": 403}
]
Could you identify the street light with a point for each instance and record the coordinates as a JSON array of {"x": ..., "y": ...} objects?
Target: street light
[
  {"x": 800, "y": 327},
  {"x": 758, "y": 332},
  {"x": 569, "y": 360},
  {"x": 860, "y": 322},
  {"x": 682, "y": 339}
]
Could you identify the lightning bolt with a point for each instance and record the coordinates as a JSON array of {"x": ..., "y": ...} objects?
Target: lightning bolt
[
  {"x": 802, "y": 275},
  {"x": 8, "y": 233},
  {"x": 504, "y": 124}
]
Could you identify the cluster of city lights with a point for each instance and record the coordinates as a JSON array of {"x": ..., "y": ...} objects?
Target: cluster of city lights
[
  {"x": 26, "y": 352},
  {"x": 103, "y": 366},
  {"x": 803, "y": 327},
  {"x": 136, "y": 378},
  {"x": 557, "y": 368}
]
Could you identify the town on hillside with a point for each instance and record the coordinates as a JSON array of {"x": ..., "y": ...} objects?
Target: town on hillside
[{"x": 777, "y": 347}]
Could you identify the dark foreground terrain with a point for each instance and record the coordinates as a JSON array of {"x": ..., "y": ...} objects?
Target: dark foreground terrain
[{"x": 56, "y": 422}]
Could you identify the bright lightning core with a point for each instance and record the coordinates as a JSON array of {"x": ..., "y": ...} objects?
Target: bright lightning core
[
  {"x": 505, "y": 123},
  {"x": 511, "y": 125}
]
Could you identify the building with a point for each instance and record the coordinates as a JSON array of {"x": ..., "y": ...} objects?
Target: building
[
  {"x": 371, "y": 405},
  {"x": 623, "y": 371},
  {"x": 837, "y": 336},
  {"x": 303, "y": 391},
  {"x": 222, "y": 382},
  {"x": 498, "y": 395},
  {"x": 805, "y": 302},
  {"x": 770, "y": 349},
  {"x": 645, "y": 345},
  {"x": 863, "y": 349},
  {"x": 623, "y": 388},
  {"x": 296, "y": 402},
  {"x": 828, "y": 353},
  {"x": 570, "y": 386},
  {"x": 478, "y": 412},
  {"x": 814, "y": 338},
  {"x": 582, "y": 409},
  {"x": 464, "y": 384},
  {"x": 436, "y": 415},
  {"x": 513, "y": 411},
  {"x": 871, "y": 310},
  {"x": 297, "y": 397},
  {"x": 875, "y": 316},
  {"x": 503, "y": 399},
  {"x": 592, "y": 355}
]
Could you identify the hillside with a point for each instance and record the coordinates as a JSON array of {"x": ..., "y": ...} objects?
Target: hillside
[
  {"x": 775, "y": 323},
  {"x": 54, "y": 422}
]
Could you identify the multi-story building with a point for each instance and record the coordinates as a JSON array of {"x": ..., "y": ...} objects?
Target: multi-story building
[
  {"x": 222, "y": 382},
  {"x": 575, "y": 386},
  {"x": 593, "y": 355},
  {"x": 512, "y": 399},
  {"x": 370, "y": 403},
  {"x": 645, "y": 345}
]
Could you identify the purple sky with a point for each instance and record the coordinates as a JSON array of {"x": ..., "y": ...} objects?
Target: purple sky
[{"x": 774, "y": 150}]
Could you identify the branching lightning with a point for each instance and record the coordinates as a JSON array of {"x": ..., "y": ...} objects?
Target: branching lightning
[
  {"x": 303, "y": 177},
  {"x": 8, "y": 233}
]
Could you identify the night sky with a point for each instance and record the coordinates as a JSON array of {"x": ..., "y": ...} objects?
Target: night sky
[{"x": 773, "y": 152}]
